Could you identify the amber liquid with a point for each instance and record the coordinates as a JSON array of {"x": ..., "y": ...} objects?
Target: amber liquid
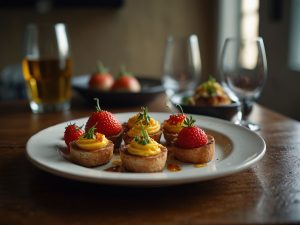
[{"x": 48, "y": 81}]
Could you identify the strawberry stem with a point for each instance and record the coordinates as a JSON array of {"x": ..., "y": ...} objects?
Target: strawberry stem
[
  {"x": 101, "y": 68},
  {"x": 123, "y": 71},
  {"x": 180, "y": 109},
  {"x": 98, "y": 105}
]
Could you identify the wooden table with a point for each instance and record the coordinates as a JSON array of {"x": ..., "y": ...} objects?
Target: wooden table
[{"x": 268, "y": 192}]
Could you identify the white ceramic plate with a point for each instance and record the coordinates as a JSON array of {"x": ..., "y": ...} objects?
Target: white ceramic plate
[{"x": 237, "y": 148}]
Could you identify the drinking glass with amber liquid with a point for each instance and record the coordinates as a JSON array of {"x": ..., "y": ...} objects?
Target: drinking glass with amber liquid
[{"x": 47, "y": 67}]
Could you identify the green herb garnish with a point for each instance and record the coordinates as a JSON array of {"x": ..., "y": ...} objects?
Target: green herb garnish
[
  {"x": 144, "y": 116},
  {"x": 210, "y": 87},
  {"x": 144, "y": 138},
  {"x": 90, "y": 133}
]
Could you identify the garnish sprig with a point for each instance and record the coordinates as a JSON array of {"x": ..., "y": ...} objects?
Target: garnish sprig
[
  {"x": 209, "y": 86},
  {"x": 144, "y": 138},
  {"x": 91, "y": 133},
  {"x": 189, "y": 122},
  {"x": 98, "y": 105},
  {"x": 144, "y": 116}
]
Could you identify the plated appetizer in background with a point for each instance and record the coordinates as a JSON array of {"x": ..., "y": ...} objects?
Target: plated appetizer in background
[
  {"x": 208, "y": 99},
  {"x": 210, "y": 93}
]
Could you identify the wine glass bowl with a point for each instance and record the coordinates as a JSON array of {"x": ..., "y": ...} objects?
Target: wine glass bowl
[
  {"x": 182, "y": 64},
  {"x": 243, "y": 72}
]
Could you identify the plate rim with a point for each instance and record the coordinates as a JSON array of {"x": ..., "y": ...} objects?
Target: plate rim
[{"x": 143, "y": 179}]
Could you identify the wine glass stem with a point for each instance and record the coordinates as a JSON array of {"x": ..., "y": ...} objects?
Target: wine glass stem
[{"x": 246, "y": 108}]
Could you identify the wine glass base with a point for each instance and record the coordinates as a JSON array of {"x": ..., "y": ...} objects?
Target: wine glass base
[{"x": 251, "y": 126}]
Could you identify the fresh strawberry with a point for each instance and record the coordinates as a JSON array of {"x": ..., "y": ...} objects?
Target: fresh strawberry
[
  {"x": 72, "y": 133},
  {"x": 101, "y": 80},
  {"x": 177, "y": 118},
  {"x": 126, "y": 82},
  {"x": 105, "y": 122},
  {"x": 191, "y": 136}
]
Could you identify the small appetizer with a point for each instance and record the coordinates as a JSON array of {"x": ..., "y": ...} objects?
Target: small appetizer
[
  {"x": 106, "y": 123},
  {"x": 143, "y": 154},
  {"x": 126, "y": 82},
  {"x": 173, "y": 125},
  {"x": 91, "y": 149},
  {"x": 72, "y": 133},
  {"x": 210, "y": 93},
  {"x": 134, "y": 126},
  {"x": 193, "y": 145},
  {"x": 101, "y": 80}
]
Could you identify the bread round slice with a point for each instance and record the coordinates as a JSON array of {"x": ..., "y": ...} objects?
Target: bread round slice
[
  {"x": 170, "y": 137},
  {"x": 143, "y": 164},
  {"x": 91, "y": 158},
  {"x": 117, "y": 140},
  {"x": 200, "y": 155}
]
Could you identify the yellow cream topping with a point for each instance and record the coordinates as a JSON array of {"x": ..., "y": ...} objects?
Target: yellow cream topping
[
  {"x": 89, "y": 144},
  {"x": 152, "y": 127},
  {"x": 149, "y": 149},
  {"x": 173, "y": 128},
  {"x": 132, "y": 120}
]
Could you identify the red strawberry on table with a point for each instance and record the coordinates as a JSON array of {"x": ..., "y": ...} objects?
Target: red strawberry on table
[
  {"x": 126, "y": 82},
  {"x": 101, "y": 80},
  {"x": 191, "y": 136},
  {"x": 72, "y": 133}
]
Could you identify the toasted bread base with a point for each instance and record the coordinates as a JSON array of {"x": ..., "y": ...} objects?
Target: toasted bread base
[
  {"x": 143, "y": 164},
  {"x": 170, "y": 137},
  {"x": 91, "y": 158},
  {"x": 200, "y": 155},
  {"x": 117, "y": 140}
]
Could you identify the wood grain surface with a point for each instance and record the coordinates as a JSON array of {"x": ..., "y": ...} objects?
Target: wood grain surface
[{"x": 267, "y": 193}]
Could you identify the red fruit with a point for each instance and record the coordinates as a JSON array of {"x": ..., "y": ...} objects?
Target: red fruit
[
  {"x": 105, "y": 122},
  {"x": 72, "y": 133},
  {"x": 101, "y": 80},
  {"x": 126, "y": 82},
  {"x": 176, "y": 118},
  {"x": 191, "y": 136}
]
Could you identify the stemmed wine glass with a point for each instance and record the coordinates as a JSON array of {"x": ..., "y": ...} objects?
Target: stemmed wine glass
[
  {"x": 243, "y": 71},
  {"x": 182, "y": 65}
]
